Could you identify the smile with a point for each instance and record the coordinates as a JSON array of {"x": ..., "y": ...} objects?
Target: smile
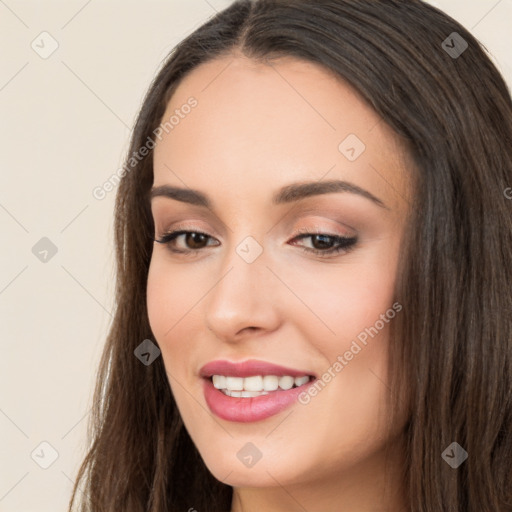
[{"x": 252, "y": 390}]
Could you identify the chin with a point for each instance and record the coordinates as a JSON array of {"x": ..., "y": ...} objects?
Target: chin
[{"x": 230, "y": 468}]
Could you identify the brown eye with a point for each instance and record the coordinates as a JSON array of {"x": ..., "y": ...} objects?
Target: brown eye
[
  {"x": 324, "y": 244},
  {"x": 195, "y": 240}
]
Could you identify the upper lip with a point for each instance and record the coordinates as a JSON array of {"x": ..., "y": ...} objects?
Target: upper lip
[{"x": 249, "y": 368}]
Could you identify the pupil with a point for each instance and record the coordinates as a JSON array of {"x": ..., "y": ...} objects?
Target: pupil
[
  {"x": 193, "y": 236},
  {"x": 195, "y": 243},
  {"x": 323, "y": 243}
]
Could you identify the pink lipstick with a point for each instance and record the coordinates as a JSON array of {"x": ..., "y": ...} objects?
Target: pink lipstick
[{"x": 251, "y": 390}]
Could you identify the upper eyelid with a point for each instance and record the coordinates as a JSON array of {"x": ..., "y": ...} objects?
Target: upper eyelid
[
  {"x": 183, "y": 225},
  {"x": 327, "y": 213},
  {"x": 317, "y": 230}
]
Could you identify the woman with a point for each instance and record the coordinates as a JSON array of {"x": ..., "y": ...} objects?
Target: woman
[{"x": 314, "y": 282}]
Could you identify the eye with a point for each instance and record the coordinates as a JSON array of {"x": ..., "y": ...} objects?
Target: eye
[
  {"x": 324, "y": 244},
  {"x": 194, "y": 240}
]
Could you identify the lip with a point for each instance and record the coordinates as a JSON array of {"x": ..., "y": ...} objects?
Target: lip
[
  {"x": 249, "y": 368},
  {"x": 245, "y": 410}
]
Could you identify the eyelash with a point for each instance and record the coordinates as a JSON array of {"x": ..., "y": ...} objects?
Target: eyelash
[{"x": 345, "y": 244}]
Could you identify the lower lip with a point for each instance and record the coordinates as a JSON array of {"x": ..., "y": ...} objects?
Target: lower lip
[{"x": 245, "y": 410}]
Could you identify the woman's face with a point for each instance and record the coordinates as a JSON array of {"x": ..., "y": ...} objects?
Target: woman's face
[{"x": 253, "y": 289}]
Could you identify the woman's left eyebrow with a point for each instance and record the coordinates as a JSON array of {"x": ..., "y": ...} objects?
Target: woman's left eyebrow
[
  {"x": 297, "y": 191},
  {"x": 287, "y": 194}
]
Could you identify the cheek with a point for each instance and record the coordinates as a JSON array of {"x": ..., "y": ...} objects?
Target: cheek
[
  {"x": 159, "y": 299},
  {"x": 168, "y": 300},
  {"x": 175, "y": 294},
  {"x": 169, "y": 296},
  {"x": 339, "y": 303}
]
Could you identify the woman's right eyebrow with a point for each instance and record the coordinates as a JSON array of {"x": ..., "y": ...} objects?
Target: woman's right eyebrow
[{"x": 286, "y": 194}]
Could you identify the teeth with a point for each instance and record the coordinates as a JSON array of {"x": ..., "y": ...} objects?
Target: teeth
[
  {"x": 219, "y": 381},
  {"x": 244, "y": 394},
  {"x": 256, "y": 385},
  {"x": 286, "y": 382},
  {"x": 299, "y": 381},
  {"x": 253, "y": 383},
  {"x": 235, "y": 383},
  {"x": 270, "y": 382}
]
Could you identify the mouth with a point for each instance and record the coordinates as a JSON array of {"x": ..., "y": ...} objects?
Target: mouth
[{"x": 253, "y": 390}]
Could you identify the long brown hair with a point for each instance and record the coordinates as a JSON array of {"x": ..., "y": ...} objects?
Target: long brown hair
[{"x": 451, "y": 347}]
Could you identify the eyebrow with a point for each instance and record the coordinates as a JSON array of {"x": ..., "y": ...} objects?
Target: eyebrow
[{"x": 287, "y": 194}]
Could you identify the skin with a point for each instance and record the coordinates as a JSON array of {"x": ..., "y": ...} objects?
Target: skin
[{"x": 256, "y": 128}]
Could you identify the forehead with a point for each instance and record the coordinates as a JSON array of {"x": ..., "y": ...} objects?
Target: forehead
[{"x": 256, "y": 124}]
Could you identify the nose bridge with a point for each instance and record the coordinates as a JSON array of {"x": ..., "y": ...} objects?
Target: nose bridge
[{"x": 243, "y": 295}]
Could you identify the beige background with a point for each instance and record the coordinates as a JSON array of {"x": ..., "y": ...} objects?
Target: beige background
[{"x": 65, "y": 126}]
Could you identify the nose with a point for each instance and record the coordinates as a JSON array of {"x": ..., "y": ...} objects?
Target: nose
[{"x": 244, "y": 299}]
